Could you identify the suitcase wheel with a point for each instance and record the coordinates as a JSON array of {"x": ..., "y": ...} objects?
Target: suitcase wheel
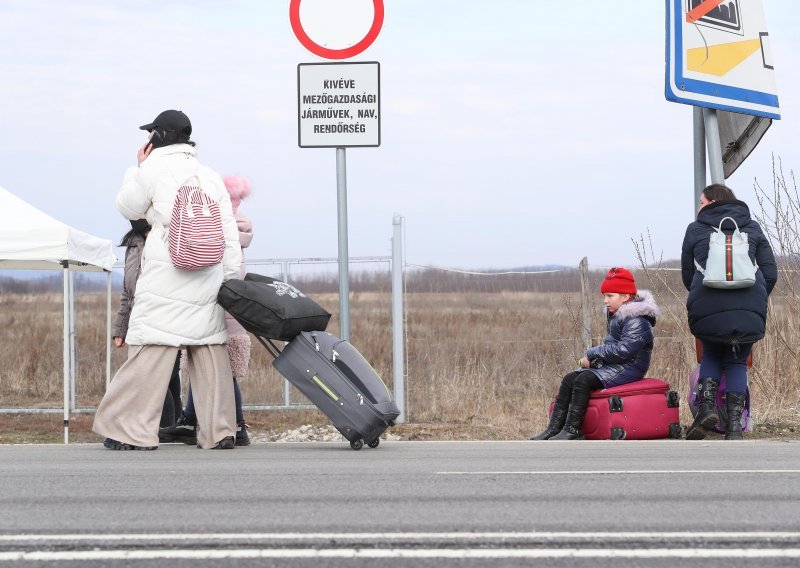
[
  {"x": 673, "y": 400},
  {"x": 675, "y": 431},
  {"x": 374, "y": 443},
  {"x": 357, "y": 444},
  {"x": 618, "y": 434}
]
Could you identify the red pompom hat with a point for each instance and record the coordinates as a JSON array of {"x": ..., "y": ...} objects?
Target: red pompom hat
[{"x": 618, "y": 281}]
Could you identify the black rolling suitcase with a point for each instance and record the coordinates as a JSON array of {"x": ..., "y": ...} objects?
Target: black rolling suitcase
[{"x": 340, "y": 382}]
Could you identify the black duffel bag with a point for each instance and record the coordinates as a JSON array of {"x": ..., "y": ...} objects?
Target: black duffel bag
[{"x": 270, "y": 308}]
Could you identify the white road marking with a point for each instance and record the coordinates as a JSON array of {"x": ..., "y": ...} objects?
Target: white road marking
[
  {"x": 622, "y": 472},
  {"x": 356, "y": 553},
  {"x": 405, "y": 536}
]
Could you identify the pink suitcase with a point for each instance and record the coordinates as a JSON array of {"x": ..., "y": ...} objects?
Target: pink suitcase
[{"x": 642, "y": 410}]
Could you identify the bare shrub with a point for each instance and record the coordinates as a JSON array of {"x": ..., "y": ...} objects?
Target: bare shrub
[{"x": 779, "y": 216}]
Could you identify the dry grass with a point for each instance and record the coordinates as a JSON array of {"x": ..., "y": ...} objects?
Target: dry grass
[
  {"x": 484, "y": 353},
  {"x": 480, "y": 363}
]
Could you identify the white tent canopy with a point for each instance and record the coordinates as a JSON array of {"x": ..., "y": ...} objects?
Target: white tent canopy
[{"x": 31, "y": 239}]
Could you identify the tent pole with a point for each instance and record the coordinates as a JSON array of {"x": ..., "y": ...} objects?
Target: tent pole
[
  {"x": 108, "y": 331},
  {"x": 73, "y": 355},
  {"x": 65, "y": 266}
]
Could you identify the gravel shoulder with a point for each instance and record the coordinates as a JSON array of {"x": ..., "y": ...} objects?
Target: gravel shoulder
[{"x": 312, "y": 426}]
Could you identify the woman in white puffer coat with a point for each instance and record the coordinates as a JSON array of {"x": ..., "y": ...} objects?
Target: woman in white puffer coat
[
  {"x": 238, "y": 343},
  {"x": 173, "y": 308}
]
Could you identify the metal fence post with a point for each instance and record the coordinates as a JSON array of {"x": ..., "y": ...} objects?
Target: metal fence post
[
  {"x": 287, "y": 391},
  {"x": 397, "y": 317}
]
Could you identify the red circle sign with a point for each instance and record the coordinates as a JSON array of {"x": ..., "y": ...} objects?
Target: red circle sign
[{"x": 316, "y": 49}]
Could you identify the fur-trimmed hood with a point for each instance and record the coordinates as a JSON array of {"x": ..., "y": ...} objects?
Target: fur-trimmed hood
[{"x": 643, "y": 306}]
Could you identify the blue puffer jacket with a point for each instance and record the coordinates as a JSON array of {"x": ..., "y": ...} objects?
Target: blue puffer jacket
[
  {"x": 625, "y": 354},
  {"x": 727, "y": 316}
]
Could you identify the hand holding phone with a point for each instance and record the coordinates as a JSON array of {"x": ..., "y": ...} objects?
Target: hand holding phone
[{"x": 145, "y": 150}]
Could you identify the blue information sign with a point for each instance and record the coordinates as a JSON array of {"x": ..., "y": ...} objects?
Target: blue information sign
[{"x": 718, "y": 56}]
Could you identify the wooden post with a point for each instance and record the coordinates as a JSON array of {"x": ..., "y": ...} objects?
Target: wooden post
[{"x": 586, "y": 302}]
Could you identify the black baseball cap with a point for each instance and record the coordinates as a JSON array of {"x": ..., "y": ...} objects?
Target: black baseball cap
[{"x": 170, "y": 120}]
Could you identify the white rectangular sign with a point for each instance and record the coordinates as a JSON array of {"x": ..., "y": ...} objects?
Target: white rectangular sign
[
  {"x": 718, "y": 56},
  {"x": 339, "y": 104}
]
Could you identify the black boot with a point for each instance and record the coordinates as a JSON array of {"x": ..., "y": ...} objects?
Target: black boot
[
  {"x": 734, "y": 404},
  {"x": 557, "y": 419},
  {"x": 184, "y": 431},
  {"x": 707, "y": 416},
  {"x": 572, "y": 425},
  {"x": 242, "y": 438}
]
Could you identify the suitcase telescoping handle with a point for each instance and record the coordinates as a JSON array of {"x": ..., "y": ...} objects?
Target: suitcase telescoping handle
[
  {"x": 274, "y": 350},
  {"x": 271, "y": 348}
]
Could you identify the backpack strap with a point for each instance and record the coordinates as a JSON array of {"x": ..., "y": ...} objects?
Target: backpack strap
[
  {"x": 181, "y": 184},
  {"x": 699, "y": 268}
]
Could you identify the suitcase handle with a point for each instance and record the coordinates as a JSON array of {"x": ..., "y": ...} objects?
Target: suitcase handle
[{"x": 271, "y": 348}]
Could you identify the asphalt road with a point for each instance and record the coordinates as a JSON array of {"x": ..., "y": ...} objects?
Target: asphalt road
[{"x": 659, "y": 503}]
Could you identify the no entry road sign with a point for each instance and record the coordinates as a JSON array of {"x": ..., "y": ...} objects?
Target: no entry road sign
[
  {"x": 718, "y": 56},
  {"x": 336, "y": 29}
]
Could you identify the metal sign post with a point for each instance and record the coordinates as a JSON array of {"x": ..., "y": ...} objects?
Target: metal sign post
[
  {"x": 699, "y": 157},
  {"x": 344, "y": 269},
  {"x": 712, "y": 143},
  {"x": 338, "y": 104}
]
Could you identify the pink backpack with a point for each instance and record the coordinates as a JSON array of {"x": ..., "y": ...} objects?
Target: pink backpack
[{"x": 195, "y": 231}]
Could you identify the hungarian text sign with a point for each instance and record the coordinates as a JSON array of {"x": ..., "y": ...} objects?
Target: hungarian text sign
[
  {"x": 718, "y": 56},
  {"x": 338, "y": 104}
]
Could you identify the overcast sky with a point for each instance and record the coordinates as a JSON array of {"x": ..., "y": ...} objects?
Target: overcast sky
[{"x": 514, "y": 132}]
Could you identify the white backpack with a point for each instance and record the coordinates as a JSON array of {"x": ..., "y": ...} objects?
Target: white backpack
[{"x": 728, "y": 264}]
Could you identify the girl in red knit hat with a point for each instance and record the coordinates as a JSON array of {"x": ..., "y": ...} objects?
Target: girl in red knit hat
[{"x": 624, "y": 356}]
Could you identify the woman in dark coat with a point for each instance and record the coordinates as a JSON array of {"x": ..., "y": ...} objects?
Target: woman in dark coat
[{"x": 727, "y": 321}]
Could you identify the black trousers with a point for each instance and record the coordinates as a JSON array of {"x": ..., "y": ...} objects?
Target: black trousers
[
  {"x": 172, "y": 402},
  {"x": 576, "y": 388}
]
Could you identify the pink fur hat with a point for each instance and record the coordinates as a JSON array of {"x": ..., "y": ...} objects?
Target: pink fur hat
[{"x": 238, "y": 188}]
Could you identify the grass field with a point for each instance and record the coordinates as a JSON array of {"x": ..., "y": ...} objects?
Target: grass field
[{"x": 483, "y": 361}]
